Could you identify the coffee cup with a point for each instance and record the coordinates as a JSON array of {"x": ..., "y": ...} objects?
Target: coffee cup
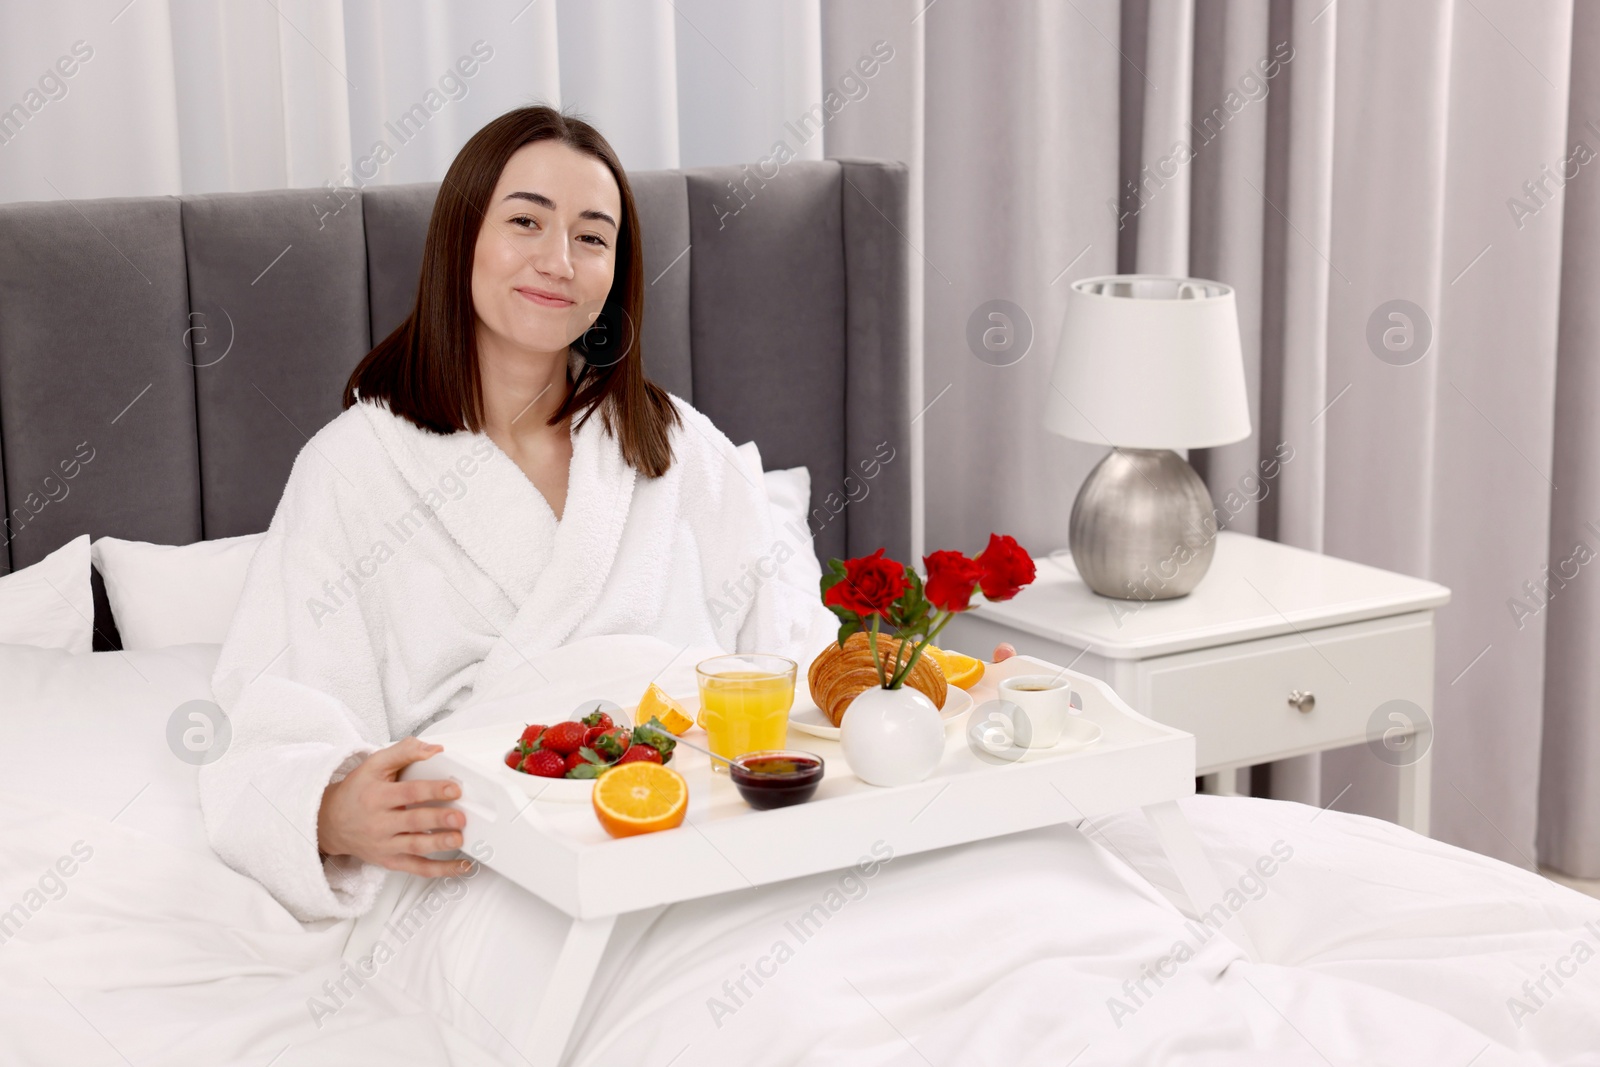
[{"x": 1037, "y": 706}]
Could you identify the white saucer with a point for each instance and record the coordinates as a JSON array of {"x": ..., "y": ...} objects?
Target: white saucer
[
  {"x": 1079, "y": 733},
  {"x": 807, "y": 718}
]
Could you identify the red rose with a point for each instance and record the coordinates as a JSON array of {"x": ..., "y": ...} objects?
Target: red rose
[
  {"x": 951, "y": 580},
  {"x": 871, "y": 584},
  {"x": 1006, "y": 567}
]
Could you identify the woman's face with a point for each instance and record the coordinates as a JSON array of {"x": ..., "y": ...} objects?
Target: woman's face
[{"x": 547, "y": 250}]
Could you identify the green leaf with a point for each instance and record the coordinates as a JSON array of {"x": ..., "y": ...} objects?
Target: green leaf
[
  {"x": 657, "y": 736},
  {"x": 586, "y": 770},
  {"x": 845, "y": 614},
  {"x": 591, "y": 755},
  {"x": 833, "y": 575},
  {"x": 910, "y": 611},
  {"x": 852, "y": 625}
]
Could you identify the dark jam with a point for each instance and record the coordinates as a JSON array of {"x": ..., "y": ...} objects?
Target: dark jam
[{"x": 777, "y": 779}]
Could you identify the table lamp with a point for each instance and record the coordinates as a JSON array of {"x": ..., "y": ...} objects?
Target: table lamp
[{"x": 1147, "y": 364}]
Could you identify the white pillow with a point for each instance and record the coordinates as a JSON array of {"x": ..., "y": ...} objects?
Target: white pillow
[
  {"x": 789, "y": 493},
  {"x": 174, "y": 594},
  {"x": 50, "y": 604},
  {"x": 90, "y": 732}
]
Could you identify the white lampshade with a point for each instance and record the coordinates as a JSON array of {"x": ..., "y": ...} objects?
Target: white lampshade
[{"x": 1149, "y": 362}]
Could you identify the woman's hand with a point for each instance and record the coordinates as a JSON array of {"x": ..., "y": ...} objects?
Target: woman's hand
[
  {"x": 364, "y": 814},
  {"x": 1003, "y": 651}
]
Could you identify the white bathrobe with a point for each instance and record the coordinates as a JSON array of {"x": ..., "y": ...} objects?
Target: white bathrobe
[{"x": 403, "y": 568}]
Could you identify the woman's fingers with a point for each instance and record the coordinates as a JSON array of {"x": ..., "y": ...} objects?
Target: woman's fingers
[
  {"x": 417, "y": 791},
  {"x": 388, "y": 762},
  {"x": 1003, "y": 651},
  {"x": 427, "y": 868},
  {"x": 421, "y": 820},
  {"x": 421, "y": 844}
]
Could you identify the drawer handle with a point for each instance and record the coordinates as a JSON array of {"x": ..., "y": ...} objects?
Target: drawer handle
[{"x": 1302, "y": 699}]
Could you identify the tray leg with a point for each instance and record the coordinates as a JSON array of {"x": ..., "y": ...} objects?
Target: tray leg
[
  {"x": 1194, "y": 869},
  {"x": 546, "y": 1044}
]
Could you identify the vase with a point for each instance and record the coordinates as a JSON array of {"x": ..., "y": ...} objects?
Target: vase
[{"x": 892, "y": 736}]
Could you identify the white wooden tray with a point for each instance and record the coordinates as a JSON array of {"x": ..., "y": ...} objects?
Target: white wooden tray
[{"x": 560, "y": 852}]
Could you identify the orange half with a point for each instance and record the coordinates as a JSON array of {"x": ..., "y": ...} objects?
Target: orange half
[{"x": 640, "y": 798}]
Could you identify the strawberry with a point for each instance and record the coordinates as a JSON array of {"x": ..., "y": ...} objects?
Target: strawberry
[
  {"x": 514, "y": 758},
  {"x": 611, "y": 744},
  {"x": 648, "y": 753},
  {"x": 530, "y": 736},
  {"x": 656, "y": 736},
  {"x": 598, "y": 718},
  {"x": 564, "y": 738},
  {"x": 591, "y": 734},
  {"x": 574, "y": 760},
  {"x": 544, "y": 763}
]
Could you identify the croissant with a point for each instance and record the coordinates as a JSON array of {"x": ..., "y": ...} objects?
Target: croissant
[{"x": 838, "y": 675}]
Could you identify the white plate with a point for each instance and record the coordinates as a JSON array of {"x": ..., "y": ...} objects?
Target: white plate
[{"x": 806, "y": 717}]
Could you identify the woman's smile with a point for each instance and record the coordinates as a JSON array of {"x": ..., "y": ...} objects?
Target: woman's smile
[{"x": 545, "y": 298}]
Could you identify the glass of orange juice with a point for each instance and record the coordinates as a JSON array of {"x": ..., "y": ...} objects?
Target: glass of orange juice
[{"x": 744, "y": 703}]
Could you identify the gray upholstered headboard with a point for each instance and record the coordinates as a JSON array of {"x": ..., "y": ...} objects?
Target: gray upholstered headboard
[{"x": 190, "y": 345}]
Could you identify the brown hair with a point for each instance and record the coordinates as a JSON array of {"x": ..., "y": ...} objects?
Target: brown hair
[{"x": 427, "y": 369}]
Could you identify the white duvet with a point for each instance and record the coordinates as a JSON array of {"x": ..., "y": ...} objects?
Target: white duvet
[{"x": 1050, "y": 947}]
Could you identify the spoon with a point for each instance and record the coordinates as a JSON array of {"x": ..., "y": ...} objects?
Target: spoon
[{"x": 686, "y": 744}]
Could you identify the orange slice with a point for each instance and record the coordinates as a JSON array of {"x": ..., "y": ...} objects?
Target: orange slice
[
  {"x": 961, "y": 671},
  {"x": 656, "y": 704},
  {"x": 640, "y": 798}
]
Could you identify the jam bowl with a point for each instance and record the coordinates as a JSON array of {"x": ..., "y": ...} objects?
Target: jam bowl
[{"x": 776, "y": 778}]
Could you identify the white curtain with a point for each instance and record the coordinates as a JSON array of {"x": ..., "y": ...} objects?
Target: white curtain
[
  {"x": 1383, "y": 159},
  {"x": 201, "y": 96}
]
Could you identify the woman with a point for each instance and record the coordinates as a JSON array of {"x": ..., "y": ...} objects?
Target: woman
[{"x": 504, "y": 480}]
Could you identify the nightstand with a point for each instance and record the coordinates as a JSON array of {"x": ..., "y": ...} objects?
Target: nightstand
[{"x": 1279, "y": 652}]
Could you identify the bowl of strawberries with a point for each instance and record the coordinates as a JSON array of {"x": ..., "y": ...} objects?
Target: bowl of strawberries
[{"x": 572, "y": 753}]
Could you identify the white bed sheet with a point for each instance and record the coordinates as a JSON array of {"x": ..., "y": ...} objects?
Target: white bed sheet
[{"x": 1008, "y": 952}]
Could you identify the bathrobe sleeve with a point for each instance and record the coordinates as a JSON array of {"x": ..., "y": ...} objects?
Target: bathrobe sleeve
[{"x": 299, "y": 682}]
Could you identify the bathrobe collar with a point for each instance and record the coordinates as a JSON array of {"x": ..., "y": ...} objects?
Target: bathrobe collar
[{"x": 551, "y": 572}]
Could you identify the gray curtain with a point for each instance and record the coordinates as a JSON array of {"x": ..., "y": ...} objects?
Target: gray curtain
[
  {"x": 1342, "y": 155},
  {"x": 1569, "y": 782}
]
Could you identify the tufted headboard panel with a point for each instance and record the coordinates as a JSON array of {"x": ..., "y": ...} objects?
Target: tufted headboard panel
[{"x": 163, "y": 359}]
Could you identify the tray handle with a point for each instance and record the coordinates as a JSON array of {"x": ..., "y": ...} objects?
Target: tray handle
[{"x": 481, "y": 797}]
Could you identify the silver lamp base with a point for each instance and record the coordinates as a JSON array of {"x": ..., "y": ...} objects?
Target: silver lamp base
[{"x": 1142, "y": 526}]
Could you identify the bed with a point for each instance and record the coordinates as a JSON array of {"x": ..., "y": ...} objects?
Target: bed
[{"x": 193, "y": 344}]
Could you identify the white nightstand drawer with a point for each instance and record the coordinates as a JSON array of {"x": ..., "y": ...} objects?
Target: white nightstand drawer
[{"x": 1235, "y": 699}]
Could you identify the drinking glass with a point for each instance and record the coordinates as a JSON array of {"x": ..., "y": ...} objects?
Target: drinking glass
[{"x": 744, "y": 703}]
